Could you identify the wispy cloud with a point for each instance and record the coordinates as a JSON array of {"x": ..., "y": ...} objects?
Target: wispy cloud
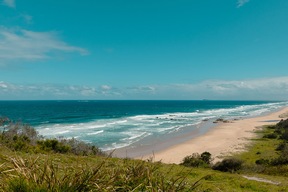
[
  {"x": 142, "y": 89},
  {"x": 28, "y": 19},
  {"x": 20, "y": 44},
  {"x": 240, "y": 3},
  {"x": 9, "y": 3},
  {"x": 255, "y": 89},
  {"x": 54, "y": 91},
  {"x": 269, "y": 88}
]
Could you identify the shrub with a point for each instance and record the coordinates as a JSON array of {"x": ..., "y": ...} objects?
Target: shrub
[
  {"x": 22, "y": 137},
  {"x": 16, "y": 133},
  {"x": 270, "y": 136},
  {"x": 206, "y": 157},
  {"x": 284, "y": 135},
  {"x": 193, "y": 160},
  {"x": 282, "y": 129},
  {"x": 53, "y": 145},
  {"x": 283, "y": 124},
  {"x": 228, "y": 165},
  {"x": 262, "y": 162},
  {"x": 196, "y": 160},
  {"x": 282, "y": 146},
  {"x": 282, "y": 159},
  {"x": 81, "y": 148},
  {"x": 271, "y": 126}
]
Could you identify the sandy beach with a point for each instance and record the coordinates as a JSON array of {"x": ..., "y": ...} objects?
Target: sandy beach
[{"x": 224, "y": 139}]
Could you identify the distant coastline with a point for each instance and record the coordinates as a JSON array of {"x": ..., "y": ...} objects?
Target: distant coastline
[
  {"x": 221, "y": 141},
  {"x": 111, "y": 124}
]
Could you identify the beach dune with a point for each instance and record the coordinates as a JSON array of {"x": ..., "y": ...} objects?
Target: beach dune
[{"x": 224, "y": 139}]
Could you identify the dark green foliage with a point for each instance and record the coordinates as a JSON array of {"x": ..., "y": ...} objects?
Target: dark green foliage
[
  {"x": 284, "y": 135},
  {"x": 270, "y": 136},
  {"x": 21, "y": 137},
  {"x": 18, "y": 136},
  {"x": 196, "y": 160},
  {"x": 228, "y": 165},
  {"x": 271, "y": 126},
  {"x": 281, "y": 129},
  {"x": 262, "y": 162},
  {"x": 282, "y": 159},
  {"x": 206, "y": 157},
  {"x": 283, "y": 124},
  {"x": 282, "y": 146},
  {"x": 53, "y": 145}
]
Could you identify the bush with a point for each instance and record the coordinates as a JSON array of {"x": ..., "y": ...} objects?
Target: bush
[
  {"x": 282, "y": 129},
  {"x": 22, "y": 137},
  {"x": 282, "y": 146},
  {"x": 206, "y": 157},
  {"x": 271, "y": 136},
  {"x": 284, "y": 135},
  {"x": 81, "y": 148},
  {"x": 228, "y": 165},
  {"x": 196, "y": 160},
  {"x": 18, "y": 136},
  {"x": 283, "y": 124},
  {"x": 282, "y": 159},
  {"x": 53, "y": 145},
  {"x": 262, "y": 162}
]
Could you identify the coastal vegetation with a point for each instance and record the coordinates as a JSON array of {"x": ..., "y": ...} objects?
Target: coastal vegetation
[
  {"x": 21, "y": 137},
  {"x": 30, "y": 162}
]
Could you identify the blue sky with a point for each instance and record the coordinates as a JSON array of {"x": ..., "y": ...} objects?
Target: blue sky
[{"x": 185, "y": 49}]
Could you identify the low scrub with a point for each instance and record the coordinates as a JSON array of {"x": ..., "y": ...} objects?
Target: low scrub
[
  {"x": 271, "y": 136},
  {"x": 22, "y": 137},
  {"x": 228, "y": 165},
  {"x": 196, "y": 160}
]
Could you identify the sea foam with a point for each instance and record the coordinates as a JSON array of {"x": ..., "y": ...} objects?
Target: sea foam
[{"x": 111, "y": 133}]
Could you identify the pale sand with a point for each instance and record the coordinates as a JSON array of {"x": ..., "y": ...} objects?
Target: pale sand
[{"x": 224, "y": 139}]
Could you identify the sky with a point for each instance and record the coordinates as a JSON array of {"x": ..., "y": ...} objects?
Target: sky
[{"x": 160, "y": 49}]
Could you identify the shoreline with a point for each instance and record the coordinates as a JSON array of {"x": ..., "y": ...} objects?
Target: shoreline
[{"x": 221, "y": 140}]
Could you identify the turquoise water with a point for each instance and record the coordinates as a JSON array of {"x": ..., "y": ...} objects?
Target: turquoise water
[{"x": 116, "y": 124}]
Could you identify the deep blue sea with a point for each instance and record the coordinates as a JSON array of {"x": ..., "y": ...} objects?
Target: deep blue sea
[{"x": 116, "y": 124}]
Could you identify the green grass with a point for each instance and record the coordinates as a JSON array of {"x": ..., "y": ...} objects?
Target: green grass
[
  {"x": 30, "y": 170},
  {"x": 260, "y": 148},
  {"x": 67, "y": 171}
]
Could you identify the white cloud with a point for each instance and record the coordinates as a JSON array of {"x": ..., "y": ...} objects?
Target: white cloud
[
  {"x": 142, "y": 88},
  {"x": 3, "y": 85},
  {"x": 269, "y": 88},
  {"x": 240, "y": 3},
  {"x": 20, "y": 44},
  {"x": 105, "y": 87},
  {"x": 54, "y": 91},
  {"x": 9, "y": 3},
  {"x": 255, "y": 89}
]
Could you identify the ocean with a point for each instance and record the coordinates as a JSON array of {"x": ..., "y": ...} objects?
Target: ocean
[{"x": 116, "y": 124}]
